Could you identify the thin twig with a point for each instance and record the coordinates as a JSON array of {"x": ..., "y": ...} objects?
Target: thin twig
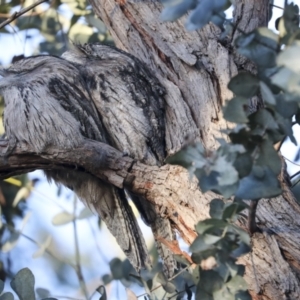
[
  {"x": 17, "y": 14},
  {"x": 77, "y": 255},
  {"x": 36, "y": 243},
  {"x": 292, "y": 162},
  {"x": 171, "y": 278},
  {"x": 103, "y": 257},
  {"x": 295, "y": 174}
]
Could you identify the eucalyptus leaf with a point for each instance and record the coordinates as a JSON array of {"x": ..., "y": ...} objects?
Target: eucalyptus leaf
[
  {"x": 231, "y": 210},
  {"x": 254, "y": 187},
  {"x": 244, "y": 84},
  {"x": 209, "y": 224},
  {"x": 237, "y": 283},
  {"x": 210, "y": 281},
  {"x": 23, "y": 284},
  {"x": 243, "y": 164},
  {"x": 210, "y": 239},
  {"x": 42, "y": 293},
  {"x": 201, "y": 15},
  {"x": 190, "y": 157},
  {"x": 7, "y": 296},
  {"x": 260, "y": 46},
  {"x": 199, "y": 245},
  {"x": 176, "y": 9},
  {"x": 107, "y": 278},
  {"x": 268, "y": 156},
  {"x": 63, "y": 218},
  {"x": 267, "y": 94},
  {"x": 216, "y": 208},
  {"x": 235, "y": 110},
  {"x": 116, "y": 268},
  {"x": 284, "y": 107}
]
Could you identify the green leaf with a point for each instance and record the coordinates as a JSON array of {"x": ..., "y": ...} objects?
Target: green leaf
[
  {"x": 23, "y": 284},
  {"x": 263, "y": 120},
  {"x": 203, "y": 295},
  {"x": 289, "y": 57},
  {"x": 42, "y": 293},
  {"x": 216, "y": 208},
  {"x": 288, "y": 80},
  {"x": 208, "y": 224},
  {"x": 243, "y": 235},
  {"x": 63, "y": 218},
  {"x": 243, "y": 164},
  {"x": 236, "y": 110},
  {"x": 199, "y": 245},
  {"x": 211, "y": 239},
  {"x": 244, "y": 84},
  {"x": 190, "y": 157},
  {"x": 285, "y": 108},
  {"x": 260, "y": 46},
  {"x": 237, "y": 283},
  {"x": 255, "y": 187},
  {"x": 221, "y": 178},
  {"x": 174, "y": 10},
  {"x": 210, "y": 281},
  {"x": 116, "y": 268},
  {"x": 206, "y": 11},
  {"x": 269, "y": 157},
  {"x": 232, "y": 209},
  {"x": 241, "y": 250},
  {"x": 85, "y": 213},
  {"x": 267, "y": 94},
  {"x": 169, "y": 287},
  {"x": 7, "y": 296},
  {"x": 107, "y": 278},
  {"x": 243, "y": 295}
]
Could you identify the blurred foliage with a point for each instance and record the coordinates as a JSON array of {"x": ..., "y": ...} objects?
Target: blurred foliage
[
  {"x": 58, "y": 23},
  {"x": 248, "y": 166}
]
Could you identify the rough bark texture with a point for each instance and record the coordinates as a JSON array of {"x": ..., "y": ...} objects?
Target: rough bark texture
[
  {"x": 195, "y": 68},
  {"x": 169, "y": 188}
]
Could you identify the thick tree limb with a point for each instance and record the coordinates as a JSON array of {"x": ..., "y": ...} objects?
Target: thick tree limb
[{"x": 169, "y": 188}]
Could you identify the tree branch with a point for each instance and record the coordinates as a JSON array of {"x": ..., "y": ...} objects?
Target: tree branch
[
  {"x": 23, "y": 11},
  {"x": 169, "y": 188}
]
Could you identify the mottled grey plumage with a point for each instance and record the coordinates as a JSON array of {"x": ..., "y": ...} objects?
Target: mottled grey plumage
[
  {"x": 128, "y": 98},
  {"x": 131, "y": 104},
  {"x": 46, "y": 105}
]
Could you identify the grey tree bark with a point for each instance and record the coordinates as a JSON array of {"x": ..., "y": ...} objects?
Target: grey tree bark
[{"x": 195, "y": 68}]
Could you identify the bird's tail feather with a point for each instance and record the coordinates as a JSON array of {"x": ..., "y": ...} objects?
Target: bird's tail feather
[
  {"x": 161, "y": 229},
  {"x": 112, "y": 206}
]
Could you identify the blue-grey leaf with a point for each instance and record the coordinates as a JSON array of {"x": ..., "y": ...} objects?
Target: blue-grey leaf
[
  {"x": 23, "y": 284},
  {"x": 175, "y": 11}
]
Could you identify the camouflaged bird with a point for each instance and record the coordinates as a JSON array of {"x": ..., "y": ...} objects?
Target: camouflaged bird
[{"x": 100, "y": 93}]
